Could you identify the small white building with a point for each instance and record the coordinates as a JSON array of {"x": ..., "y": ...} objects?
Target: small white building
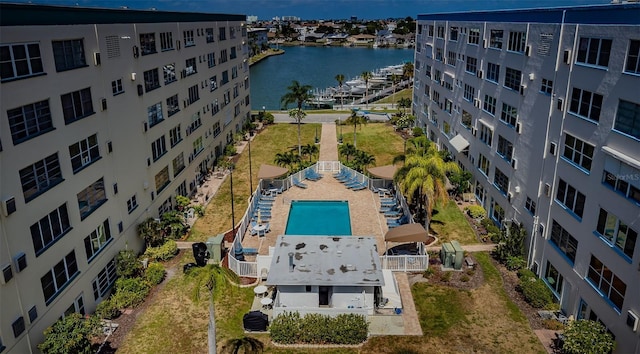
[{"x": 326, "y": 274}]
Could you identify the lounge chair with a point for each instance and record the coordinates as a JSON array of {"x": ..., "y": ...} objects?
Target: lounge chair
[
  {"x": 340, "y": 174},
  {"x": 387, "y": 208},
  {"x": 297, "y": 183},
  {"x": 347, "y": 177},
  {"x": 393, "y": 213},
  {"x": 397, "y": 222},
  {"x": 352, "y": 182},
  {"x": 360, "y": 186},
  {"x": 312, "y": 175},
  {"x": 389, "y": 203}
]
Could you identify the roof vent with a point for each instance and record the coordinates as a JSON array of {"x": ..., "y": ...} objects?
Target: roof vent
[{"x": 290, "y": 262}]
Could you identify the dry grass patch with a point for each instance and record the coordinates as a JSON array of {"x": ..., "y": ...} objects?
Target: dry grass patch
[
  {"x": 449, "y": 223},
  {"x": 378, "y": 139}
]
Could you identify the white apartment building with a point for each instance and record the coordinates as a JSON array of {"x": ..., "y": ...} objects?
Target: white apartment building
[
  {"x": 106, "y": 116},
  {"x": 543, "y": 107}
]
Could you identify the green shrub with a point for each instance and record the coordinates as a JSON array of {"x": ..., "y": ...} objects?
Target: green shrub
[
  {"x": 464, "y": 278},
  {"x": 525, "y": 273},
  {"x": 515, "y": 263},
  {"x": 71, "y": 334},
  {"x": 162, "y": 253},
  {"x": 446, "y": 276},
  {"x": 268, "y": 118},
  {"x": 108, "y": 309},
  {"x": 535, "y": 292},
  {"x": 154, "y": 273},
  {"x": 476, "y": 211},
  {"x": 127, "y": 264},
  {"x": 130, "y": 292},
  {"x": 290, "y": 328},
  {"x": 230, "y": 150},
  {"x": 490, "y": 226},
  {"x": 552, "y": 324},
  {"x": 417, "y": 131},
  {"x": 586, "y": 336},
  {"x": 428, "y": 272}
]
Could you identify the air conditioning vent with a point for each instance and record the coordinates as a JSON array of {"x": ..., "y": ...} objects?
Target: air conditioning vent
[
  {"x": 148, "y": 161},
  {"x": 547, "y": 189},
  {"x": 632, "y": 320},
  {"x": 7, "y": 274},
  {"x": 560, "y": 104},
  {"x": 567, "y": 57},
  {"x": 474, "y": 131},
  {"x": 522, "y": 88},
  {"x": 96, "y": 58},
  {"x": 140, "y": 90},
  {"x": 145, "y": 126},
  {"x": 136, "y": 51},
  {"x": 519, "y": 128},
  {"x": 484, "y": 43},
  {"x": 8, "y": 206},
  {"x": 109, "y": 147},
  {"x": 527, "y": 50},
  {"x": 479, "y": 74},
  {"x": 514, "y": 164},
  {"x": 103, "y": 104},
  {"x": 476, "y": 102},
  {"x": 33, "y": 314},
  {"x": 552, "y": 148},
  {"x": 509, "y": 196},
  {"x": 20, "y": 262}
]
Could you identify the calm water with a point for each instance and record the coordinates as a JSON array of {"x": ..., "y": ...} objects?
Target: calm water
[
  {"x": 315, "y": 66},
  {"x": 319, "y": 217}
]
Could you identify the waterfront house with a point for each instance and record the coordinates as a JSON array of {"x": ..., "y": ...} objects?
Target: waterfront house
[{"x": 361, "y": 39}]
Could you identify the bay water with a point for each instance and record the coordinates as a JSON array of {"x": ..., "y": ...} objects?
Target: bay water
[{"x": 317, "y": 67}]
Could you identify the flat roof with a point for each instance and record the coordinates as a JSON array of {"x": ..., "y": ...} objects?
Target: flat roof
[
  {"x": 326, "y": 260},
  {"x": 13, "y": 14},
  {"x": 608, "y": 14}
]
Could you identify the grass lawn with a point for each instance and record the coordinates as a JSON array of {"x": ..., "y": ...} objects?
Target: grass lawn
[
  {"x": 449, "y": 223},
  {"x": 394, "y": 98},
  {"x": 377, "y": 139}
]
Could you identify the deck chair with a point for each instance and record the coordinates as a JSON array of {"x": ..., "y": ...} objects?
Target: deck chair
[{"x": 297, "y": 183}]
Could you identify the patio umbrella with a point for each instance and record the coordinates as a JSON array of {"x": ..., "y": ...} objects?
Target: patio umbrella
[
  {"x": 270, "y": 172},
  {"x": 384, "y": 172},
  {"x": 406, "y": 233}
]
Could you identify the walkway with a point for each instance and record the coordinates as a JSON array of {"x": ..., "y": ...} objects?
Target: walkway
[{"x": 328, "y": 143}]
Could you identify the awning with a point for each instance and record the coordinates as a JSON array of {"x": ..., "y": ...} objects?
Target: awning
[
  {"x": 269, "y": 171},
  {"x": 384, "y": 172},
  {"x": 459, "y": 143},
  {"x": 407, "y": 233}
]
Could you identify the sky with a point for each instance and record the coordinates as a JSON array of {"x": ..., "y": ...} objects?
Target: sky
[{"x": 320, "y": 9}]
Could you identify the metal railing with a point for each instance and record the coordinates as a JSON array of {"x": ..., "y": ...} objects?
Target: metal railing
[{"x": 405, "y": 263}]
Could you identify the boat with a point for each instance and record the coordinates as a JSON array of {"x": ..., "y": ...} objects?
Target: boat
[{"x": 354, "y": 82}]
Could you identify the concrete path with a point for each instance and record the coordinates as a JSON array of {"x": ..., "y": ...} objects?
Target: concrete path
[{"x": 328, "y": 143}]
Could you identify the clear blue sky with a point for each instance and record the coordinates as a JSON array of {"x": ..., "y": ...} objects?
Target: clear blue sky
[{"x": 321, "y": 9}]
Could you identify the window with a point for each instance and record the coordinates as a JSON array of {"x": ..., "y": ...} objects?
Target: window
[
  {"x": 209, "y": 34},
  {"x": 116, "y": 87},
  {"x": 430, "y": 30},
  {"x": 169, "y": 72},
  {"x": 20, "y": 60},
  {"x": 194, "y": 95},
  {"x": 211, "y": 59},
  {"x": 472, "y": 65},
  {"x": 469, "y": 92},
  {"x": 501, "y": 181},
  {"x": 446, "y": 128},
  {"x": 222, "y": 33},
  {"x": 451, "y": 58},
  {"x": 564, "y": 241},
  {"x": 530, "y": 205},
  {"x": 68, "y": 54},
  {"x": 197, "y": 146},
  {"x": 84, "y": 153},
  {"x": 628, "y": 118},
  {"x": 91, "y": 198},
  {"x": 517, "y": 41},
  {"x": 493, "y": 72},
  {"x": 182, "y": 189},
  {"x": 633, "y": 57},
  {"x": 617, "y": 232},
  {"x": 554, "y": 279},
  {"x": 178, "y": 164},
  {"x": 440, "y": 32},
  {"x": 466, "y": 119},
  {"x": 505, "y": 148},
  {"x": 570, "y": 198},
  {"x": 166, "y": 41},
  {"x": 105, "y": 279},
  {"x": 483, "y": 164},
  {"x": 547, "y": 86},
  {"x": 190, "y": 67},
  {"x": 453, "y": 33},
  {"x": 158, "y": 148},
  {"x": 76, "y": 307},
  {"x": 223, "y": 56},
  {"x": 512, "y": 79},
  {"x": 97, "y": 239},
  {"x": 489, "y": 105},
  {"x": 586, "y": 104},
  {"x": 40, "y": 176},
  {"x": 497, "y": 212},
  {"x": 232, "y": 54},
  {"x": 480, "y": 192},
  {"x": 154, "y": 114},
  {"x": 213, "y": 83},
  {"x": 173, "y": 105},
  {"x": 29, "y": 121},
  {"x": 234, "y": 72},
  {"x": 196, "y": 122},
  {"x": 620, "y": 183},
  {"x": 594, "y": 51},
  {"x": 151, "y": 80},
  {"x": 162, "y": 179},
  {"x": 447, "y": 105},
  {"x": 495, "y": 41},
  {"x": 215, "y": 107},
  {"x": 148, "y": 43},
  {"x": 427, "y": 71},
  {"x": 132, "y": 204},
  {"x": 578, "y": 151},
  {"x": 216, "y": 129},
  {"x": 509, "y": 114},
  {"x": 474, "y": 36},
  {"x": 76, "y": 105},
  {"x": 610, "y": 286},
  {"x": 49, "y": 229},
  {"x": 438, "y": 54},
  {"x": 58, "y": 277},
  {"x": 486, "y": 134},
  {"x": 188, "y": 38},
  {"x": 175, "y": 135}
]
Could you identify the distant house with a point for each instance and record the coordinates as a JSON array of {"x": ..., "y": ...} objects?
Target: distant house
[
  {"x": 361, "y": 39},
  {"x": 328, "y": 275},
  {"x": 257, "y": 36}
]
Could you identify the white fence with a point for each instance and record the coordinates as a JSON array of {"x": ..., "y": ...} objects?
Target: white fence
[{"x": 405, "y": 263}]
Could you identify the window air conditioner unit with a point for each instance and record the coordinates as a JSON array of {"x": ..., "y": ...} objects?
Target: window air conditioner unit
[
  {"x": 136, "y": 51},
  {"x": 103, "y": 104},
  {"x": 519, "y": 128},
  {"x": 145, "y": 126},
  {"x": 552, "y": 148},
  {"x": 20, "y": 262},
  {"x": 479, "y": 74},
  {"x": 532, "y": 76},
  {"x": 7, "y": 274},
  {"x": 96, "y": 58},
  {"x": 522, "y": 87},
  {"x": 527, "y": 50},
  {"x": 109, "y": 146},
  {"x": 560, "y": 104},
  {"x": 632, "y": 320},
  {"x": 567, "y": 57},
  {"x": 474, "y": 131},
  {"x": 8, "y": 206},
  {"x": 509, "y": 196},
  {"x": 476, "y": 102},
  {"x": 148, "y": 161},
  {"x": 140, "y": 90},
  {"x": 547, "y": 189},
  {"x": 484, "y": 43},
  {"x": 514, "y": 164},
  {"x": 133, "y": 76}
]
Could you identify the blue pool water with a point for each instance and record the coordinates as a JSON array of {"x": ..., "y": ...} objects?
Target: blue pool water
[{"x": 318, "y": 217}]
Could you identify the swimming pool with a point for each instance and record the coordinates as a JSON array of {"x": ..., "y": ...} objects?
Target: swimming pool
[{"x": 319, "y": 217}]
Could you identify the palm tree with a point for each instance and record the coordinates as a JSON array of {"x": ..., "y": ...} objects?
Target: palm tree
[
  {"x": 287, "y": 159},
  {"x": 366, "y": 76},
  {"x": 347, "y": 150},
  {"x": 423, "y": 177},
  {"x": 310, "y": 150},
  {"x": 340, "y": 79},
  {"x": 407, "y": 71},
  {"x": 404, "y": 103},
  {"x": 355, "y": 119},
  {"x": 363, "y": 159},
  {"x": 297, "y": 94},
  {"x": 246, "y": 345}
]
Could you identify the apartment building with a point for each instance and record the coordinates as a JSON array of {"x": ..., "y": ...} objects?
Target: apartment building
[
  {"x": 542, "y": 106},
  {"x": 106, "y": 116}
]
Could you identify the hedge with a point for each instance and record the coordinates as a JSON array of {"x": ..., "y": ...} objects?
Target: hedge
[
  {"x": 162, "y": 253},
  {"x": 290, "y": 328}
]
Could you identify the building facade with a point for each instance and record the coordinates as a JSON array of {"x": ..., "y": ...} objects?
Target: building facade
[
  {"x": 107, "y": 116},
  {"x": 542, "y": 106}
]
